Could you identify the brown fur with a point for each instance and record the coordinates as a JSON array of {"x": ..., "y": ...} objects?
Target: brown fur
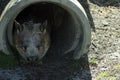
[{"x": 32, "y": 40}]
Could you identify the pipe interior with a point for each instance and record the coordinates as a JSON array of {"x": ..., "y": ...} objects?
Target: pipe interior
[{"x": 62, "y": 24}]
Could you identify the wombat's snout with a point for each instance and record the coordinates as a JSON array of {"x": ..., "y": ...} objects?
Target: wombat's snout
[{"x": 32, "y": 58}]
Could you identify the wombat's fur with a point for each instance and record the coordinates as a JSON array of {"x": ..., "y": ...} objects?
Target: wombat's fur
[{"x": 32, "y": 40}]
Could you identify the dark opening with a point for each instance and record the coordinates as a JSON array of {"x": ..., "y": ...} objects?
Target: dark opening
[{"x": 61, "y": 21}]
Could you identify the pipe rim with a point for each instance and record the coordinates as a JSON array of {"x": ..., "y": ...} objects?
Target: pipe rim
[{"x": 79, "y": 12}]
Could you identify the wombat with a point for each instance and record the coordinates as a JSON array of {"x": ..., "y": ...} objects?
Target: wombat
[{"x": 32, "y": 40}]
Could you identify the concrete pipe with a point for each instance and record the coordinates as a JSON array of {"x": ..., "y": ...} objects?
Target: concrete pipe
[{"x": 70, "y": 31}]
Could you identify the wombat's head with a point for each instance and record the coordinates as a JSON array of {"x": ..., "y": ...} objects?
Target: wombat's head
[{"x": 31, "y": 40}]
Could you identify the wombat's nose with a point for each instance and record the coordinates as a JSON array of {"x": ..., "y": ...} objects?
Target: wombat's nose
[{"x": 32, "y": 58}]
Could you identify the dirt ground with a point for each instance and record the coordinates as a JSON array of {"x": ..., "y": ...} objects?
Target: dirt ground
[
  {"x": 102, "y": 61},
  {"x": 106, "y": 42}
]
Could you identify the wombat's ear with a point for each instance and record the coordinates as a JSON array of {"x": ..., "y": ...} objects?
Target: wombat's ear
[
  {"x": 43, "y": 26},
  {"x": 18, "y": 27}
]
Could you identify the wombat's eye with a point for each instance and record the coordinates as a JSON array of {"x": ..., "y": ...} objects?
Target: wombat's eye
[
  {"x": 38, "y": 46},
  {"x": 24, "y": 47},
  {"x": 41, "y": 29}
]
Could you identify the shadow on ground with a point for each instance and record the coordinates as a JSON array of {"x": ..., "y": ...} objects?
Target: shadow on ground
[
  {"x": 53, "y": 68},
  {"x": 115, "y": 3},
  {"x": 85, "y": 5}
]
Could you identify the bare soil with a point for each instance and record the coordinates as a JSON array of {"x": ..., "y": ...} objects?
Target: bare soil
[{"x": 106, "y": 41}]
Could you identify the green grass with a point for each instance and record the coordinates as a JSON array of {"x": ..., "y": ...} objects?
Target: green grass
[
  {"x": 112, "y": 78},
  {"x": 116, "y": 66},
  {"x": 93, "y": 61},
  {"x": 103, "y": 75},
  {"x": 7, "y": 61}
]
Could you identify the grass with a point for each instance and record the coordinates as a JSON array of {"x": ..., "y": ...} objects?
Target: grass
[
  {"x": 93, "y": 61},
  {"x": 116, "y": 66},
  {"x": 103, "y": 75},
  {"x": 7, "y": 61},
  {"x": 112, "y": 78}
]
